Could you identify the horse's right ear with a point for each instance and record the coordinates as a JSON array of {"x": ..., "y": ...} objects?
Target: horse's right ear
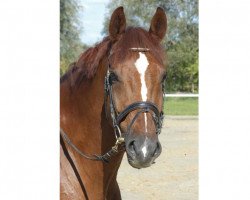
[
  {"x": 117, "y": 23},
  {"x": 158, "y": 25}
]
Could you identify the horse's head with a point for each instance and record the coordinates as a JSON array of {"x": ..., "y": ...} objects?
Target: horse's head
[{"x": 136, "y": 74}]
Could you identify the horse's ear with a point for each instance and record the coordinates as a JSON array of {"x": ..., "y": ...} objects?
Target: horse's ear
[
  {"x": 158, "y": 25},
  {"x": 117, "y": 23}
]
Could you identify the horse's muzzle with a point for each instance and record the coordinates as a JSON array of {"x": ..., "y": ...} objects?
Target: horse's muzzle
[{"x": 142, "y": 150}]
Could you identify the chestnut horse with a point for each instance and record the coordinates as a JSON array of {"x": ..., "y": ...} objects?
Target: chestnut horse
[{"x": 111, "y": 102}]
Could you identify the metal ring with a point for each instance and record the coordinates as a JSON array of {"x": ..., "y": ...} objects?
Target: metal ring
[{"x": 119, "y": 130}]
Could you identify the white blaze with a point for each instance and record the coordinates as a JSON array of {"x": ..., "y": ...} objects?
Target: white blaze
[
  {"x": 141, "y": 65},
  {"x": 144, "y": 151}
]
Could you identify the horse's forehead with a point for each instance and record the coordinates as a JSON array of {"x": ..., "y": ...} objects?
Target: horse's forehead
[{"x": 135, "y": 61}]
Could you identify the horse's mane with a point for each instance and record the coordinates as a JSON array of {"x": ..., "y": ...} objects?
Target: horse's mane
[{"x": 86, "y": 66}]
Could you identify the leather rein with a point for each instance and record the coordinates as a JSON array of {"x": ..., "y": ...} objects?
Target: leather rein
[{"x": 117, "y": 118}]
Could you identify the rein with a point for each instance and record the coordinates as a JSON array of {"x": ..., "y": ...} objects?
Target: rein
[
  {"x": 105, "y": 157},
  {"x": 117, "y": 118}
]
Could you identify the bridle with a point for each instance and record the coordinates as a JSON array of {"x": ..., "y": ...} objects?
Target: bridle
[
  {"x": 141, "y": 106},
  {"x": 117, "y": 118}
]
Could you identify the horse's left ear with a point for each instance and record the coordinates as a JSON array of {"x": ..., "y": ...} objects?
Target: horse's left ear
[
  {"x": 117, "y": 23},
  {"x": 158, "y": 25}
]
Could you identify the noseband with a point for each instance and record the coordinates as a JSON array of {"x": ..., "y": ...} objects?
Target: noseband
[{"x": 117, "y": 118}]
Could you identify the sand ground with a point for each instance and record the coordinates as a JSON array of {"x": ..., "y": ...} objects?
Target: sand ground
[{"x": 175, "y": 174}]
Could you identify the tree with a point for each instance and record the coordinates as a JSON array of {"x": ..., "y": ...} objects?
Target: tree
[
  {"x": 70, "y": 29},
  {"x": 181, "y": 42}
]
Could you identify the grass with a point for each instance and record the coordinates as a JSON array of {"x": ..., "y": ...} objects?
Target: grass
[{"x": 181, "y": 106}]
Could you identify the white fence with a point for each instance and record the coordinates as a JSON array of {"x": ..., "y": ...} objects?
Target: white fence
[{"x": 181, "y": 95}]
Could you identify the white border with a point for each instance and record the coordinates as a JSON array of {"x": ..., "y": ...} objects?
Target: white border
[
  {"x": 29, "y": 100},
  {"x": 224, "y": 100},
  {"x": 29, "y": 103}
]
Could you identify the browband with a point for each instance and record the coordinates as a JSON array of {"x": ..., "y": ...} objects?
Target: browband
[{"x": 139, "y": 49}]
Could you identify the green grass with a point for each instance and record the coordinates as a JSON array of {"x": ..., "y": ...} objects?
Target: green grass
[{"x": 181, "y": 106}]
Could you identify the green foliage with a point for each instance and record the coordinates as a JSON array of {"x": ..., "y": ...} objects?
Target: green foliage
[
  {"x": 181, "y": 106},
  {"x": 70, "y": 29},
  {"x": 181, "y": 42}
]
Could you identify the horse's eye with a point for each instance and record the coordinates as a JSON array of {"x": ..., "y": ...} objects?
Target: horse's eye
[
  {"x": 164, "y": 77},
  {"x": 113, "y": 77}
]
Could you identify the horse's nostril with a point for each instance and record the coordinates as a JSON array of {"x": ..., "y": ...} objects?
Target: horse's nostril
[
  {"x": 157, "y": 149},
  {"x": 131, "y": 147}
]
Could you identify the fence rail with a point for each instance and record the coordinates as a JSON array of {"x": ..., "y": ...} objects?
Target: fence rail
[{"x": 181, "y": 95}]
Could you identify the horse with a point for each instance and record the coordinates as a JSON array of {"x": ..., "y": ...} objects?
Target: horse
[{"x": 111, "y": 102}]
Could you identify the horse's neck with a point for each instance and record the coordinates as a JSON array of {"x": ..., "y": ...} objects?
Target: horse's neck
[
  {"x": 82, "y": 113},
  {"x": 83, "y": 119}
]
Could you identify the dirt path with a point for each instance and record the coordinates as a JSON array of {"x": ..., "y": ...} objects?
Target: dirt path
[{"x": 175, "y": 174}]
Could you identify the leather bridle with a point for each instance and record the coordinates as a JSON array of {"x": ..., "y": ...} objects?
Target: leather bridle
[
  {"x": 117, "y": 118},
  {"x": 141, "y": 106}
]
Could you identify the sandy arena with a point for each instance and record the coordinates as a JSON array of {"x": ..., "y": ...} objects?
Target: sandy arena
[{"x": 175, "y": 174}]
